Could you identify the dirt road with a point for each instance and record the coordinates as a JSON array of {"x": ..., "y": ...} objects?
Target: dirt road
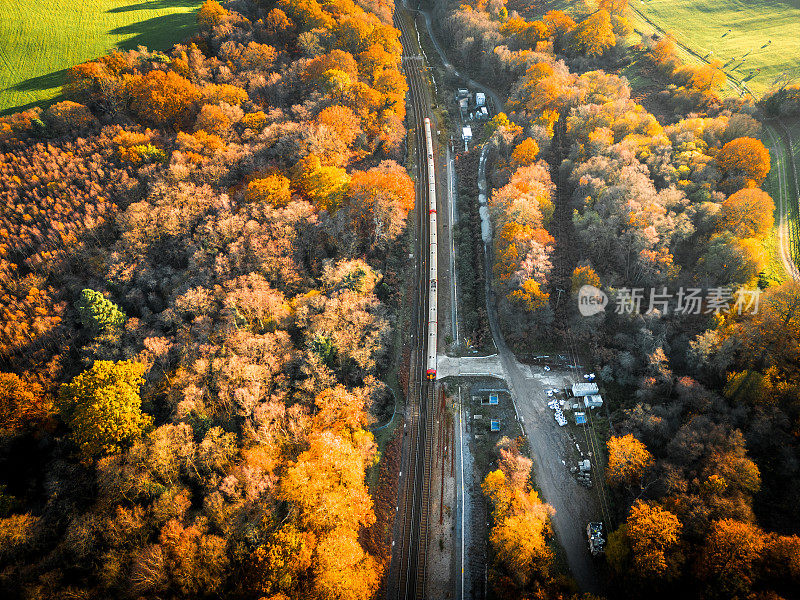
[
  {"x": 496, "y": 104},
  {"x": 549, "y": 445}
]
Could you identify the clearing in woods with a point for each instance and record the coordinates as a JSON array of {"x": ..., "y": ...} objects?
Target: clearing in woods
[{"x": 41, "y": 39}]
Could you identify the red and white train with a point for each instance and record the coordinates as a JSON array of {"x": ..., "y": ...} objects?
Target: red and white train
[{"x": 433, "y": 319}]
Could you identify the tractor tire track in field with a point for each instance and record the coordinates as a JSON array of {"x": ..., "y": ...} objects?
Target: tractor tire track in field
[
  {"x": 786, "y": 248},
  {"x": 789, "y": 211}
]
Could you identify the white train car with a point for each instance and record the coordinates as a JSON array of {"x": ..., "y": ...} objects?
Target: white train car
[{"x": 433, "y": 320}]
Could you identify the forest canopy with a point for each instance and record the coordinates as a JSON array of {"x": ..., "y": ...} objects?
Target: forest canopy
[{"x": 198, "y": 287}]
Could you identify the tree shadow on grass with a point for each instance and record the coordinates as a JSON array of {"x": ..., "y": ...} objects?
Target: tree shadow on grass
[
  {"x": 158, "y": 33},
  {"x": 42, "y": 82},
  {"x": 156, "y": 5},
  {"x": 34, "y": 84},
  {"x": 21, "y": 107}
]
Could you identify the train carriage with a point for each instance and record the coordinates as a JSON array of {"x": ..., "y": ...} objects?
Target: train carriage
[{"x": 433, "y": 295}]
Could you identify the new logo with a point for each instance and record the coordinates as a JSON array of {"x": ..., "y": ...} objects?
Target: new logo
[{"x": 591, "y": 300}]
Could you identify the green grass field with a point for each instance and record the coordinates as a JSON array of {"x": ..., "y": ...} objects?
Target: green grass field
[
  {"x": 703, "y": 26},
  {"x": 41, "y": 39}
]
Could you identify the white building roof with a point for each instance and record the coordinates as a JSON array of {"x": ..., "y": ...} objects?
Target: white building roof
[
  {"x": 584, "y": 389},
  {"x": 467, "y": 132}
]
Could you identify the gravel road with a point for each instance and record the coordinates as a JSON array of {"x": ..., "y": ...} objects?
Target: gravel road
[{"x": 574, "y": 504}]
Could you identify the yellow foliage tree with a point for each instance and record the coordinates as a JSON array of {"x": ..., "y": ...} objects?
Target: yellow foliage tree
[
  {"x": 255, "y": 120},
  {"x": 343, "y": 570},
  {"x": 584, "y": 275},
  {"x": 224, "y": 92},
  {"x": 530, "y": 296},
  {"x": 621, "y": 26},
  {"x": 521, "y": 520},
  {"x": 281, "y": 565},
  {"x": 273, "y": 189},
  {"x": 211, "y": 14},
  {"x": 103, "y": 408},
  {"x": 324, "y": 186},
  {"x": 520, "y": 542},
  {"x": 628, "y": 459}
]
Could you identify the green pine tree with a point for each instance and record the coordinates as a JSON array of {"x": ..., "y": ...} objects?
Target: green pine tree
[{"x": 99, "y": 315}]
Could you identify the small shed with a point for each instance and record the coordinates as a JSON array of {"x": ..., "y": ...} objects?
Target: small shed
[
  {"x": 494, "y": 399},
  {"x": 480, "y": 99},
  {"x": 495, "y": 426},
  {"x": 466, "y": 133},
  {"x": 593, "y": 401},
  {"x": 580, "y": 418}
]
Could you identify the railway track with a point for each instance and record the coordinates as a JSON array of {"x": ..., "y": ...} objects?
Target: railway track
[{"x": 409, "y": 561}]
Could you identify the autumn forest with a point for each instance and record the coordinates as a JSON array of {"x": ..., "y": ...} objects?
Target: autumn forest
[{"x": 206, "y": 288}]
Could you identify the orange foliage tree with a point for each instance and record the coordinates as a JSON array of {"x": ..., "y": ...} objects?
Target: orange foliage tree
[
  {"x": 521, "y": 521},
  {"x": 744, "y": 160},
  {"x": 212, "y": 120},
  {"x": 378, "y": 203},
  {"x": 594, "y": 35},
  {"x": 558, "y": 22},
  {"x": 21, "y": 403},
  {"x": 748, "y": 213},
  {"x": 343, "y": 121},
  {"x": 665, "y": 52},
  {"x": 524, "y": 153},
  {"x": 730, "y": 556},
  {"x": 654, "y": 535},
  {"x": 163, "y": 99},
  {"x": 69, "y": 116}
]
